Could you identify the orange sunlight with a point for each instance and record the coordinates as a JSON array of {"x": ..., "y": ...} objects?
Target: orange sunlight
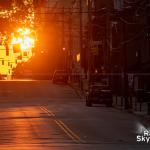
[
  {"x": 24, "y": 39},
  {"x": 20, "y": 43}
]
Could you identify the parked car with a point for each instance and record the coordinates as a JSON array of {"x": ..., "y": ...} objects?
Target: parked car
[
  {"x": 60, "y": 76},
  {"x": 99, "y": 90},
  {"x": 99, "y": 94}
]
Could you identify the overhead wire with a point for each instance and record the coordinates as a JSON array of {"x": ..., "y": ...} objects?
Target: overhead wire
[{"x": 129, "y": 40}]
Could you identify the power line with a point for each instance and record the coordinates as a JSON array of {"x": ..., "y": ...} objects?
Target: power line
[
  {"x": 84, "y": 12},
  {"x": 129, "y": 40},
  {"x": 127, "y": 22}
]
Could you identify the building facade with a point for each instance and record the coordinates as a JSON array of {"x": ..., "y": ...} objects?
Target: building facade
[{"x": 123, "y": 29}]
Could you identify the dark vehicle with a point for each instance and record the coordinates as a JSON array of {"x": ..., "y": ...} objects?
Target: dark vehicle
[
  {"x": 99, "y": 92},
  {"x": 60, "y": 76}
]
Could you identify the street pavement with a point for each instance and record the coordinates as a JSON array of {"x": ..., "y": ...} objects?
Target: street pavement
[{"x": 39, "y": 115}]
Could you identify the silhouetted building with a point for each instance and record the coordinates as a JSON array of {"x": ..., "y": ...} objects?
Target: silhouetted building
[{"x": 121, "y": 31}]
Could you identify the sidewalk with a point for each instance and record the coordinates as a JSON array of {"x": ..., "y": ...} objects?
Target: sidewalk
[{"x": 140, "y": 109}]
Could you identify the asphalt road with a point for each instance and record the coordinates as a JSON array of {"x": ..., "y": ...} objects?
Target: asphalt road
[{"x": 38, "y": 115}]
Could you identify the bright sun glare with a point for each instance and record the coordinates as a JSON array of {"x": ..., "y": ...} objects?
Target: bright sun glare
[
  {"x": 21, "y": 44},
  {"x": 24, "y": 39}
]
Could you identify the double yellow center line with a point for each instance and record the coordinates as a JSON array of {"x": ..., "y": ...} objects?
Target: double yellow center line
[{"x": 64, "y": 127}]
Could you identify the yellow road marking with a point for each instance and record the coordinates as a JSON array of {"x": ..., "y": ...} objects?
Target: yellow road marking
[
  {"x": 69, "y": 130},
  {"x": 47, "y": 111},
  {"x": 64, "y": 127},
  {"x": 58, "y": 123}
]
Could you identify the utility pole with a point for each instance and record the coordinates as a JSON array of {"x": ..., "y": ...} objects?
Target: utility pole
[
  {"x": 63, "y": 30},
  {"x": 63, "y": 48},
  {"x": 125, "y": 77},
  {"x": 107, "y": 40},
  {"x": 147, "y": 24},
  {"x": 89, "y": 39},
  {"x": 81, "y": 32},
  {"x": 81, "y": 42},
  {"x": 70, "y": 42}
]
